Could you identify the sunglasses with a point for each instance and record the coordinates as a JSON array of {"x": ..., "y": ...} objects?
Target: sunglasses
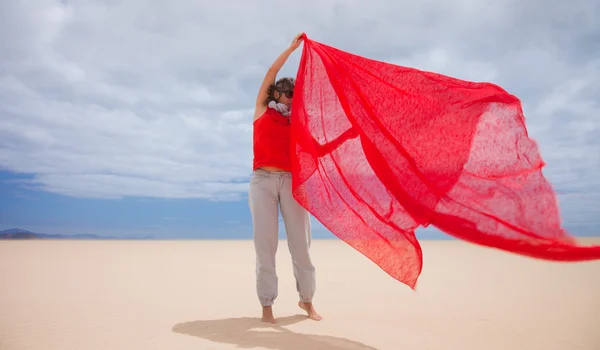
[{"x": 288, "y": 93}]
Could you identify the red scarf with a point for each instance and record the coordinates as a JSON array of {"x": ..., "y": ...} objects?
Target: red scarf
[{"x": 379, "y": 150}]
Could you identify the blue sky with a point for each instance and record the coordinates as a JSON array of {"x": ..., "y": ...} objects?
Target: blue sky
[
  {"x": 160, "y": 218},
  {"x": 45, "y": 212},
  {"x": 134, "y": 118}
]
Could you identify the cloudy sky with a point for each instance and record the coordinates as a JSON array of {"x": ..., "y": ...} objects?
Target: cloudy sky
[{"x": 134, "y": 117}]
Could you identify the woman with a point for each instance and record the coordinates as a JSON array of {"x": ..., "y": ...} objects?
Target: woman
[{"x": 271, "y": 189}]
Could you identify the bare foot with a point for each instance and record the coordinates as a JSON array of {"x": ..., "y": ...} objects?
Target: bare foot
[
  {"x": 267, "y": 315},
  {"x": 310, "y": 310}
]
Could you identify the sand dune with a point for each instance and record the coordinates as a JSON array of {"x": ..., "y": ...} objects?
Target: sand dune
[{"x": 200, "y": 295}]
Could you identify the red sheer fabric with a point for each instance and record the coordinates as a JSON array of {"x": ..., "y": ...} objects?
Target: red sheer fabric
[{"x": 379, "y": 150}]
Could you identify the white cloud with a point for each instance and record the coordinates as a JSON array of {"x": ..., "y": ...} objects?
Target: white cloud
[{"x": 154, "y": 98}]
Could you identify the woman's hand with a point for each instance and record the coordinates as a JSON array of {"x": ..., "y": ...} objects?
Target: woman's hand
[
  {"x": 296, "y": 42},
  {"x": 272, "y": 74}
]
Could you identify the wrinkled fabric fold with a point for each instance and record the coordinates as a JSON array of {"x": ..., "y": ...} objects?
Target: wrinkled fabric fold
[{"x": 379, "y": 150}]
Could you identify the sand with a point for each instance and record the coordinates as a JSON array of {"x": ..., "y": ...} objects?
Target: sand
[{"x": 171, "y": 295}]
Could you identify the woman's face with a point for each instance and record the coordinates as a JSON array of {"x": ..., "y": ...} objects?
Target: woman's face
[{"x": 286, "y": 98}]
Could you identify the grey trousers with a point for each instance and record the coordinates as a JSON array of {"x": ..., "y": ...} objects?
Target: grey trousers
[{"x": 270, "y": 191}]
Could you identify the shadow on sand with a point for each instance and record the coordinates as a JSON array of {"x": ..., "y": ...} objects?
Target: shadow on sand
[{"x": 247, "y": 332}]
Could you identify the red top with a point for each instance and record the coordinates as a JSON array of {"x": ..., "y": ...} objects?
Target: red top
[{"x": 272, "y": 141}]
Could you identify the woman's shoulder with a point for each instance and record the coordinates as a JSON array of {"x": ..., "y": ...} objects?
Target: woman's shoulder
[{"x": 260, "y": 111}]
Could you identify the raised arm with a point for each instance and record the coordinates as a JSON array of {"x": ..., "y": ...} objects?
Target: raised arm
[
  {"x": 332, "y": 145},
  {"x": 263, "y": 91}
]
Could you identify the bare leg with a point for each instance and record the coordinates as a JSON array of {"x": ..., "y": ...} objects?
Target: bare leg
[
  {"x": 267, "y": 315},
  {"x": 310, "y": 311}
]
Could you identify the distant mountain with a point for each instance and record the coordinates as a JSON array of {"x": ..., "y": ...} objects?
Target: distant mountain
[
  {"x": 17, "y": 233},
  {"x": 15, "y": 230}
]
